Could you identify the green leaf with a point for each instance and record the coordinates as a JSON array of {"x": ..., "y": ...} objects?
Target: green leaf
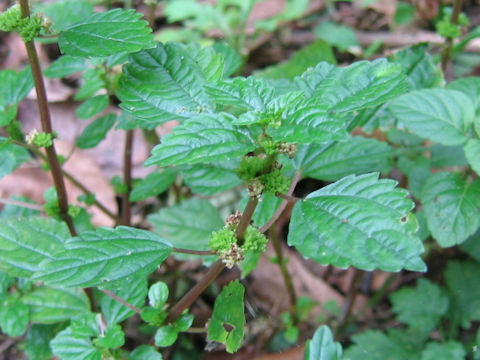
[
  {"x": 442, "y": 156},
  {"x": 417, "y": 171},
  {"x": 358, "y": 86},
  {"x": 133, "y": 290},
  {"x": 145, "y": 352},
  {"x": 65, "y": 13},
  {"x": 37, "y": 341},
  {"x": 472, "y": 246},
  {"x": 8, "y": 114},
  {"x": 189, "y": 224},
  {"x": 441, "y": 115},
  {"x": 96, "y": 131},
  {"x": 158, "y": 294},
  {"x": 166, "y": 336},
  {"x": 49, "y": 305},
  {"x": 91, "y": 83},
  {"x": 203, "y": 139},
  {"x": 322, "y": 346},
  {"x": 92, "y": 106},
  {"x": 451, "y": 207},
  {"x": 472, "y": 153},
  {"x": 163, "y": 84},
  {"x": 208, "y": 60},
  {"x": 249, "y": 263},
  {"x": 154, "y": 184},
  {"x": 420, "y": 308},
  {"x": 15, "y": 86},
  {"x": 228, "y": 317},
  {"x": 12, "y": 156},
  {"x": 340, "y": 36},
  {"x": 183, "y": 322},
  {"x": 113, "y": 338},
  {"x": 308, "y": 56},
  {"x": 376, "y": 345},
  {"x": 68, "y": 345},
  {"x": 107, "y": 33},
  {"x": 232, "y": 59},
  {"x": 14, "y": 318},
  {"x": 356, "y": 156},
  {"x": 104, "y": 255},
  {"x": 470, "y": 86},
  {"x": 360, "y": 221},
  {"x": 463, "y": 281},
  {"x": 210, "y": 179},
  {"x": 24, "y": 243},
  {"x": 450, "y": 350},
  {"x": 65, "y": 65}
]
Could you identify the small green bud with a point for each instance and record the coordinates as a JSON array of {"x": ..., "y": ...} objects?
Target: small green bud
[
  {"x": 40, "y": 139},
  {"x": 463, "y": 20},
  {"x": 269, "y": 146},
  {"x": 254, "y": 240},
  {"x": 275, "y": 182},
  {"x": 74, "y": 210}
]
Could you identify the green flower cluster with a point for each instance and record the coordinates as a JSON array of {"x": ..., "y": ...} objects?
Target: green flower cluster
[
  {"x": 250, "y": 167},
  {"x": 222, "y": 239},
  {"x": 28, "y": 28},
  {"x": 40, "y": 139},
  {"x": 275, "y": 182},
  {"x": 254, "y": 240},
  {"x": 447, "y": 29}
]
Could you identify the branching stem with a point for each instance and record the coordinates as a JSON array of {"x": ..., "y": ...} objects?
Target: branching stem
[{"x": 127, "y": 179}]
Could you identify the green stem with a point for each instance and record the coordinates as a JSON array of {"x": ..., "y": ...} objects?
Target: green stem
[
  {"x": 127, "y": 179},
  {"x": 55, "y": 168},
  {"x": 447, "y": 51}
]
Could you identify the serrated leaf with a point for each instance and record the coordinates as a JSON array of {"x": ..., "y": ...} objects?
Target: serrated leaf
[
  {"x": 163, "y": 84},
  {"x": 421, "y": 307},
  {"x": 12, "y": 156},
  {"x": 356, "y": 156},
  {"x": 450, "y": 350},
  {"x": 360, "y": 221},
  {"x": 205, "y": 138},
  {"x": 210, "y": 179},
  {"x": 92, "y": 106},
  {"x": 14, "y": 318},
  {"x": 96, "y": 131},
  {"x": 451, "y": 207},
  {"x": 133, "y": 290},
  {"x": 228, "y": 317},
  {"x": 37, "y": 341},
  {"x": 15, "y": 86},
  {"x": 145, "y": 352},
  {"x": 358, "y": 86},
  {"x": 441, "y": 115},
  {"x": 208, "y": 60},
  {"x": 24, "y": 243},
  {"x": 70, "y": 346},
  {"x": 65, "y": 13},
  {"x": 154, "y": 184},
  {"x": 107, "y": 33},
  {"x": 463, "y": 282},
  {"x": 105, "y": 255},
  {"x": 189, "y": 224},
  {"x": 65, "y": 65},
  {"x": 322, "y": 346},
  {"x": 470, "y": 86},
  {"x": 49, "y": 305},
  {"x": 232, "y": 60},
  {"x": 114, "y": 337},
  {"x": 472, "y": 153}
]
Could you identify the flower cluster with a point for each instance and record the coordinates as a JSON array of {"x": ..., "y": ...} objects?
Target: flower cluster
[{"x": 28, "y": 27}]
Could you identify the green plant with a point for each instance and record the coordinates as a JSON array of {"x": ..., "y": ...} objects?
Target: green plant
[{"x": 69, "y": 287}]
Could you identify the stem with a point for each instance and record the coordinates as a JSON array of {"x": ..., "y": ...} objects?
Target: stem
[
  {"x": 447, "y": 51},
  {"x": 46, "y": 122},
  {"x": 349, "y": 301},
  {"x": 287, "y": 279},
  {"x": 21, "y": 204},
  {"x": 288, "y": 198},
  {"x": 245, "y": 220},
  {"x": 121, "y": 301},
  {"x": 127, "y": 179},
  {"x": 194, "y": 252}
]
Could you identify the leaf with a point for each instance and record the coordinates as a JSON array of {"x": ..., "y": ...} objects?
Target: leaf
[
  {"x": 158, "y": 294},
  {"x": 96, "y": 131},
  {"x": 203, "y": 139},
  {"x": 341, "y": 36},
  {"x": 12, "y": 156},
  {"x": 107, "y": 33},
  {"x": 92, "y": 106},
  {"x": 24, "y": 243},
  {"x": 211, "y": 63},
  {"x": 359, "y": 221},
  {"x": 442, "y": 156},
  {"x": 37, "y": 341},
  {"x": 210, "y": 179},
  {"x": 50, "y": 305},
  {"x": 189, "y": 224},
  {"x": 228, "y": 317},
  {"x": 105, "y": 255},
  {"x": 133, "y": 290},
  {"x": 68, "y": 345},
  {"x": 114, "y": 337},
  {"x": 420, "y": 308},
  {"x": 358, "y": 86},
  {"x": 356, "y": 156},
  {"x": 322, "y": 346},
  {"x": 15, "y": 86},
  {"x": 469, "y": 86},
  {"x": 162, "y": 84},
  {"x": 472, "y": 246},
  {"x": 65, "y": 13},
  {"x": 91, "y": 83},
  {"x": 463, "y": 282},
  {"x": 145, "y": 352},
  {"x": 441, "y": 115},
  {"x": 450, "y": 350},
  {"x": 14, "y": 318},
  {"x": 451, "y": 207},
  {"x": 300, "y": 61},
  {"x": 65, "y": 65},
  {"x": 472, "y": 153},
  {"x": 417, "y": 171},
  {"x": 166, "y": 336},
  {"x": 154, "y": 184},
  {"x": 233, "y": 61}
]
